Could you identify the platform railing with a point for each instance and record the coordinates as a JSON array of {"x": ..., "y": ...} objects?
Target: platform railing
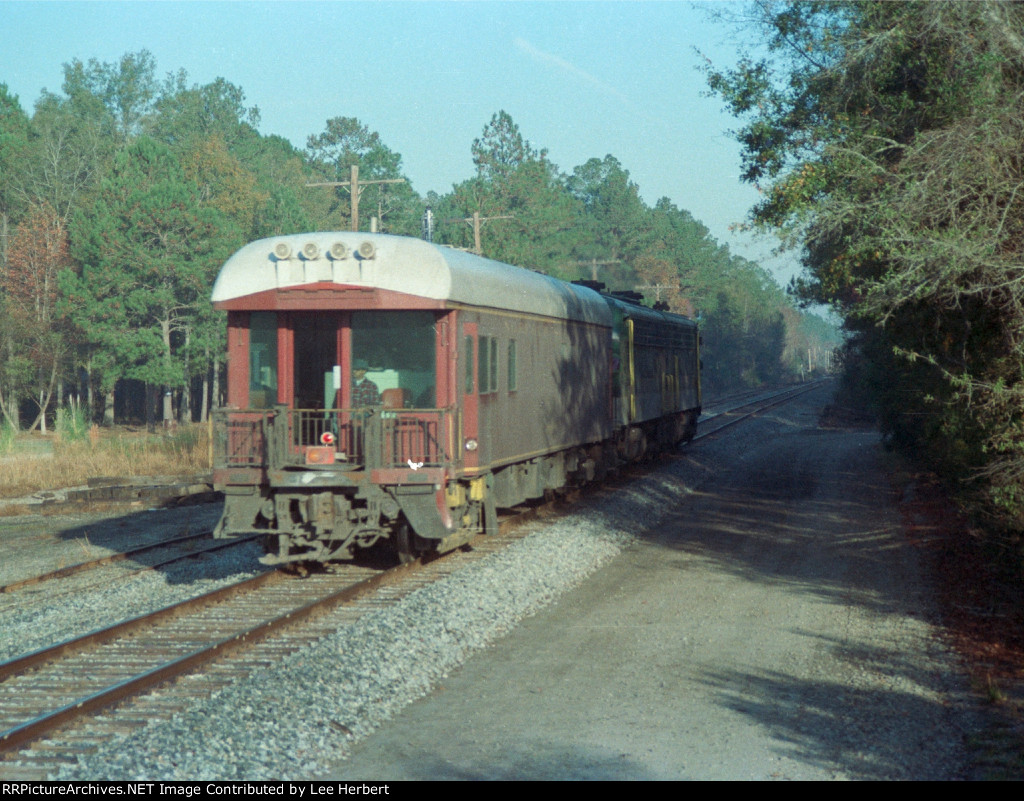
[
  {"x": 240, "y": 438},
  {"x": 420, "y": 437},
  {"x": 361, "y": 438}
]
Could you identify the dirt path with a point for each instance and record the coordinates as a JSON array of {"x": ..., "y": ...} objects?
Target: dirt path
[{"x": 773, "y": 624}]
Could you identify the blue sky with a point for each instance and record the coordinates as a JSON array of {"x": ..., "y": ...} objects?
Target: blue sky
[{"x": 581, "y": 79}]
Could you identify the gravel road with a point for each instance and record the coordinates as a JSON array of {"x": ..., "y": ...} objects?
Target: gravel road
[{"x": 770, "y": 622}]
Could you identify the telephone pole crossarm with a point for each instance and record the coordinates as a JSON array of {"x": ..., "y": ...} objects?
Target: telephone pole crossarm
[
  {"x": 355, "y": 189},
  {"x": 476, "y": 222}
]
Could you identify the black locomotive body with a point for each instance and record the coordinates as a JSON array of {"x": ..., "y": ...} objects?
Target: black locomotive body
[{"x": 381, "y": 387}]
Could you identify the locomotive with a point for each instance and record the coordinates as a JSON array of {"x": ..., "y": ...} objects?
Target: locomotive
[{"x": 383, "y": 388}]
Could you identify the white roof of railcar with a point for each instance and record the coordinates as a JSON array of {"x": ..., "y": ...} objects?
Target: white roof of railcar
[{"x": 411, "y": 266}]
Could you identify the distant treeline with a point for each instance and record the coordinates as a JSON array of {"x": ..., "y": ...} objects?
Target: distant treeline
[{"x": 121, "y": 197}]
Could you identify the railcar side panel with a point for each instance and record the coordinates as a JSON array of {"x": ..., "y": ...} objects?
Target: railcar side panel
[
  {"x": 656, "y": 384},
  {"x": 542, "y": 385}
]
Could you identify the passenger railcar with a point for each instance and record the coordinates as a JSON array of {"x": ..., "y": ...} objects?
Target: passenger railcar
[{"x": 489, "y": 385}]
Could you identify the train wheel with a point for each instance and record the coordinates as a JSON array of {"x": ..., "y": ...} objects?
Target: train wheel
[{"x": 403, "y": 539}]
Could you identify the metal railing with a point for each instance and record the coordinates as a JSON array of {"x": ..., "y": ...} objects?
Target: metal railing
[
  {"x": 422, "y": 437},
  {"x": 362, "y": 438},
  {"x": 240, "y": 438}
]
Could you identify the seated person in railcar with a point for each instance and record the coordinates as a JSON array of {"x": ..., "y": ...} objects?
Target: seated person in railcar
[{"x": 364, "y": 391}]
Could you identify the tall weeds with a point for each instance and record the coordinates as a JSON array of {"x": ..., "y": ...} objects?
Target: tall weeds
[
  {"x": 76, "y": 458},
  {"x": 72, "y": 423}
]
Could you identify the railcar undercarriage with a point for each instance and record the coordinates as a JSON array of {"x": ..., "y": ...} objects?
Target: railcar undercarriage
[
  {"x": 324, "y": 514},
  {"x": 332, "y": 524}
]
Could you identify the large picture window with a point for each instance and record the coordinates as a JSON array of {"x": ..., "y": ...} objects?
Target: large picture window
[{"x": 399, "y": 350}]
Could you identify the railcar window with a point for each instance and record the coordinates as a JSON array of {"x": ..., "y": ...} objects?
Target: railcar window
[
  {"x": 512, "y": 378},
  {"x": 494, "y": 365},
  {"x": 399, "y": 349},
  {"x": 468, "y": 350},
  {"x": 262, "y": 360},
  {"x": 314, "y": 353},
  {"x": 487, "y": 378},
  {"x": 484, "y": 371}
]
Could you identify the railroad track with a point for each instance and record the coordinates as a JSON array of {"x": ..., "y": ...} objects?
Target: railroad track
[
  {"x": 55, "y": 686},
  {"x": 73, "y": 683},
  {"x": 70, "y": 690},
  {"x": 110, "y": 559},
  {"x": 739, "y": 409},
  {"x": 736, "y": 398}
]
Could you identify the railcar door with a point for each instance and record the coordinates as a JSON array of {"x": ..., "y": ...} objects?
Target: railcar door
[
  {"x": 317, "y": 352},
  {"x": 313, "y": 340}
]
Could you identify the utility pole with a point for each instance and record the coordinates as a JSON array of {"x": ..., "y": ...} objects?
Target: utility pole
[
  {"x": 687, "y": 309},
  {"x": 593, "y": 264},
  {"x": 355, "y": 189},
  {"x": 428, "y": 225},
  {"x": 657, "y": 289},
  {"x": 476, "y": 221}
]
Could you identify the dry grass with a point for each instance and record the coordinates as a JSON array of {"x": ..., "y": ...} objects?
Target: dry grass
[{"x": 25, "y": 470}]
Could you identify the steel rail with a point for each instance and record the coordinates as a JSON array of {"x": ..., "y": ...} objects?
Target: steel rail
[
  {"x": 211, "y": 548},
  {"x": 46, "y": 723},
  {"x": 81, "y": 567},
  {"x": 52, "y": 653},
  {"x": 760, "y": 406}
]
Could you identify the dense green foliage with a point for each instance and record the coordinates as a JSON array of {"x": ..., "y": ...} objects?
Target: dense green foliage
[
  {"x": 887, "y": 139},
  {"x": 122, "y": 196}
]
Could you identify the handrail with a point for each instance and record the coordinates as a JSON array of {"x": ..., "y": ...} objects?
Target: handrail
[{"x": 362, "y": 438}]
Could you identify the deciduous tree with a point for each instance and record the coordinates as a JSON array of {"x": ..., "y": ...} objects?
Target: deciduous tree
[{"x": 38, "y": 339}]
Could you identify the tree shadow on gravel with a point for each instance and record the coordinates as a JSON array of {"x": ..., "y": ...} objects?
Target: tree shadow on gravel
[
  {"x": 803, "y": 525},
  {"x": 539, "y": 761},
  {"x": 856, "y": 732},
  {"x": 831, "y": 534}
]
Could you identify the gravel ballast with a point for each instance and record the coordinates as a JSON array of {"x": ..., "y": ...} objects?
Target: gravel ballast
[{"x": 347, "y": 684}]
